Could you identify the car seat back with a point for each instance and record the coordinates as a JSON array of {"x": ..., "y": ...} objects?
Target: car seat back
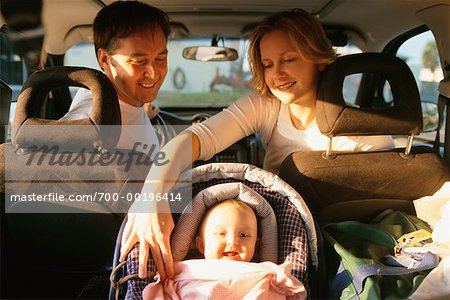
[{"x": 69, "y": 241}]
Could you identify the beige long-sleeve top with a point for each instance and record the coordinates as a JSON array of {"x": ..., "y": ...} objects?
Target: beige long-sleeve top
[{"x": 270, "y": 118}]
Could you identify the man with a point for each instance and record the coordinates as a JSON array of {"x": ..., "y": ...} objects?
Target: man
[{"x": 130, "y": 40}]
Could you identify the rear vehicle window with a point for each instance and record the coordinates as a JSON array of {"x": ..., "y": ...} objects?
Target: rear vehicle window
[
  {"x": 13, "y": 72},
  {"x": 421, "y": 54},
  {"x": 198, "y": 84},
  {"x": 13, "y": 69}
]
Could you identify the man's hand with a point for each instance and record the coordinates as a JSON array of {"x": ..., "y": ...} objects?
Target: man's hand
[{"x": 150, "y": 229}]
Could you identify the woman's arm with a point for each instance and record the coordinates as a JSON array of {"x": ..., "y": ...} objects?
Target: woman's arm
[
  {"x": 151, "y": 223},
  {"x": 250, "y": 114}
]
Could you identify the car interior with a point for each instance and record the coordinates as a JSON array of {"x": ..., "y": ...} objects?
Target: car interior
[
  {"x": 357, "y": 185},
  {"x": 392, "y": 77}
]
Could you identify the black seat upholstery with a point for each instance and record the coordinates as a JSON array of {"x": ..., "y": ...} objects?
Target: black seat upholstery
[
  {"x": 5, "y": 103},
  {"x": 357, "y": 185},
  {"x": 67, "y": 245}
]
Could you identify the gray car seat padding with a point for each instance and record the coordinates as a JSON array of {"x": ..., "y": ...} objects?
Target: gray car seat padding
[
  {"x": 187, "y": 226},
  {"x": 297, "y": 239},
  {"x": 267, "y": 179}
]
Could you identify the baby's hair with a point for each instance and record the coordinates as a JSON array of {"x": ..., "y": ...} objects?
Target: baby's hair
[{"x": 234, "y": 202}]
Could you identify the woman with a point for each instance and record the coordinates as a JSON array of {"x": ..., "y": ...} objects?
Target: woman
[{"x": 287, "y": 52}]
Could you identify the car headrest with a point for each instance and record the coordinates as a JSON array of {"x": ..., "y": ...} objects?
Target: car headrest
[
  {"x": 336, "y": 118},
  {"x": 96, "y": 131},
  {"x": 444, "y": 87}
]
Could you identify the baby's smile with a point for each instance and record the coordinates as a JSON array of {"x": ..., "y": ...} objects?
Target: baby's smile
[{"x": 230, "y": 254}]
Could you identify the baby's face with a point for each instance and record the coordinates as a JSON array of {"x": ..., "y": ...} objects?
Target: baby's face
[{"x": 230, "y": 232}]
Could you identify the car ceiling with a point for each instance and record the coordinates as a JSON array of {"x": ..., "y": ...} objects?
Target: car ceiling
[{"x": 68, "y": 22}]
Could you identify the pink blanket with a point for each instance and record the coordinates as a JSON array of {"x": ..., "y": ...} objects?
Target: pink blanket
[{"x": 227, "y": 279}]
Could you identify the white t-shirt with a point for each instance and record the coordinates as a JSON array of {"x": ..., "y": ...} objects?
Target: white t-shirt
[
  {"x": 136, "y": 131},
  {"x": 271, "y": 119}
]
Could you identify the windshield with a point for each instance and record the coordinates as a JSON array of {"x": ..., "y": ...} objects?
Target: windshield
[
  {"x": 189, "y": 83},
  {"x": 192, "y": 83},
  {"x": 202, "y": 84}
]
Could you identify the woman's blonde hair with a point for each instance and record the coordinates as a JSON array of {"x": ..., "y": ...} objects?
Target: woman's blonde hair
[{"x": 304, "y": 31}]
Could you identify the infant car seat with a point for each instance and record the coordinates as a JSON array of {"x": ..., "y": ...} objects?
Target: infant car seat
[{"x": 287, "y": 227}]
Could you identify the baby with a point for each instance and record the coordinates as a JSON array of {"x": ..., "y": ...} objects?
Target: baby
[
  {"x": 228, "y": 237},
  {"x": 229, "y": 230}
]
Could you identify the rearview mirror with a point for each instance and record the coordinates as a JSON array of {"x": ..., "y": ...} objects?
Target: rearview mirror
[{"x": 210, "y": 53}]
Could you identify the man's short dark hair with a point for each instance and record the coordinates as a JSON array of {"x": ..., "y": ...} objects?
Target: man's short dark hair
[{"x": 123, "y": 18}]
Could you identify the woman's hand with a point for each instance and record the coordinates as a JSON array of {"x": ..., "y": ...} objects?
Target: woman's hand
[
  {"x": 150, "y": 223},
  {"x": 150, "y": 229}
]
